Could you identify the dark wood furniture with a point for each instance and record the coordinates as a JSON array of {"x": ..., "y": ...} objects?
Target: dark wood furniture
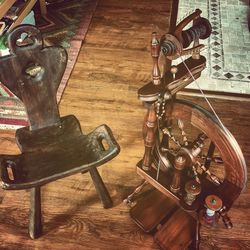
[
  {"x": 52, "y": 147},
  {"x": 190, "y": 157}
]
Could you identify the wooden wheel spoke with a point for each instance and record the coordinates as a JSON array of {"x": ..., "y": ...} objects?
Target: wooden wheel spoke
[
  {"x": 183, "y": 133},
  {"x": 199, "y": 140},
  {"x": 215, "y": 159},
  {"x": 209, "y": 156},
  {"x": 218, "y": 160},
  {"x": 206, "y": 171},
  {"x": 194, "y": 169},
  {"x": 167, "y": 132}
]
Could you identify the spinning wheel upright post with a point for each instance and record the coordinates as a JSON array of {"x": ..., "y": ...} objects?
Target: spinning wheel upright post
[{"x": 189, "y": 156}]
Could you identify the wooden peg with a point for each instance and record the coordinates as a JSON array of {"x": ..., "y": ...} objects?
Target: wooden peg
[
  {"x": 174, "y": 70},
  {"x": 155, "y": 53},
  {"x": 226, "y": 220}
]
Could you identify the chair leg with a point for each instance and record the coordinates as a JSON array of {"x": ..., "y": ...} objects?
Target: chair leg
[
  {"x": 101, "y": 188},
  {"x": 35, "y": 222}
]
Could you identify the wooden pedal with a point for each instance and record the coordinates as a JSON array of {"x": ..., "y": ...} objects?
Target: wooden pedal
[
  {"x": 152, "y": 210},
  {"x": 178, "y": 232}
]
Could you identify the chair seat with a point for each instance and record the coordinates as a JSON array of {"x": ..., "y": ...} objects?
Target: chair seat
[{"x": 61, "y": 157}]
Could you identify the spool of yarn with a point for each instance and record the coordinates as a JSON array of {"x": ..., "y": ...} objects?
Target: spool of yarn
[{"x": 213, "y": 204}]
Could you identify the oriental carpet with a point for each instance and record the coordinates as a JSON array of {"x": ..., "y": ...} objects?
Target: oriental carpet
[
  {"x": 66, "y": 24},
  {"x": 227, "y": 49}
]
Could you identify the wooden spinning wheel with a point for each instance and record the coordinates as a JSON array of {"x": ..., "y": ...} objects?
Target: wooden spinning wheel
[
  {"x": 190, "y": 157},
  {"x": 220, "y": 163}
]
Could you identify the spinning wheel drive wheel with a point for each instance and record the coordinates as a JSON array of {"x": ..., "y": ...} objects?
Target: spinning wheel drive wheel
[{"x": 188, "y": 127}]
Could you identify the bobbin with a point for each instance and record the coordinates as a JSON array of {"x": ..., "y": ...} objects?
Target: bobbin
[
  {"x": 193, "y": 189},
  {"x": 189, "y": 201},
  {"x": 213, "y": 204}
]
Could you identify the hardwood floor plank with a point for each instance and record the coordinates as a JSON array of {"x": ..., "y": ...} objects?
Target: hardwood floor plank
[{"x": 113, "y": 63}]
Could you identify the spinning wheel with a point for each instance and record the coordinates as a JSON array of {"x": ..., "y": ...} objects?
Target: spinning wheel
[
  {"x": 190, "y": 157},
  {"x": 214, "y": 158}
]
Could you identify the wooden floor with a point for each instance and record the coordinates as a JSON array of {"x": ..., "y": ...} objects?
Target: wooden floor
[{"x": 114, "y": 62}]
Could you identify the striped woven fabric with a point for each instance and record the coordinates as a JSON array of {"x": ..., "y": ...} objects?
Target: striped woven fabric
[{"x": 66, "y": 24}]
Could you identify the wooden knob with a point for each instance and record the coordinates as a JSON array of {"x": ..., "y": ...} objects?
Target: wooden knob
[
  {"x": 226, "y": 220},
  {"x": 155, "y": 53},
  {"x": 193, "y": 187},
  {"x": 174, "y": 70}
]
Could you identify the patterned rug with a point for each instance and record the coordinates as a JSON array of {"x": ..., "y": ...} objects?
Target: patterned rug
[
  {"x": 228, "y": 48},
  {"x": 66, "y": 23}
]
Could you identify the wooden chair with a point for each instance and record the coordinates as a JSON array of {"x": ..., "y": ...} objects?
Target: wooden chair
[{"x": 52, "y": 147}]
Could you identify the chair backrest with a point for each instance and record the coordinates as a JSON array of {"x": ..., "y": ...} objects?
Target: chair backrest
[{"x": 33, "y": 73}]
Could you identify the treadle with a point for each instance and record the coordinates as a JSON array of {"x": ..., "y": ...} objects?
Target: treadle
[
  {"x": 171, "y": 226},
  {"x": 178, "y": 232},
  {"x": 151, "y": 210},
  {"x": 56, "y": 154}
]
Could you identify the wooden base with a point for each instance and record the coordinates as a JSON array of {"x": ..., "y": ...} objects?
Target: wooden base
[
  {"x": 151, "y": 210},
  {"x": 179, "y": 232},
  {"x": 172, "y": 227}
]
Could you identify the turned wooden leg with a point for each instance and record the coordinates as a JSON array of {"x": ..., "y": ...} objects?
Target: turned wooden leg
[
  {"x": 101, "y": 188},
  {"x": 149, "y": 139},
  {"x": 35, "y": 221}
]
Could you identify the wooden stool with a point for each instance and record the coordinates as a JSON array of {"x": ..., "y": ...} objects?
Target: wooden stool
[{"x": 52, "y": 147}]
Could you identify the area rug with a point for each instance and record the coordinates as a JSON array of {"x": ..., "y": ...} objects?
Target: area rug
[
  {"x": 228, "y": 48},
  {"x": 66, "y": 24}
]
